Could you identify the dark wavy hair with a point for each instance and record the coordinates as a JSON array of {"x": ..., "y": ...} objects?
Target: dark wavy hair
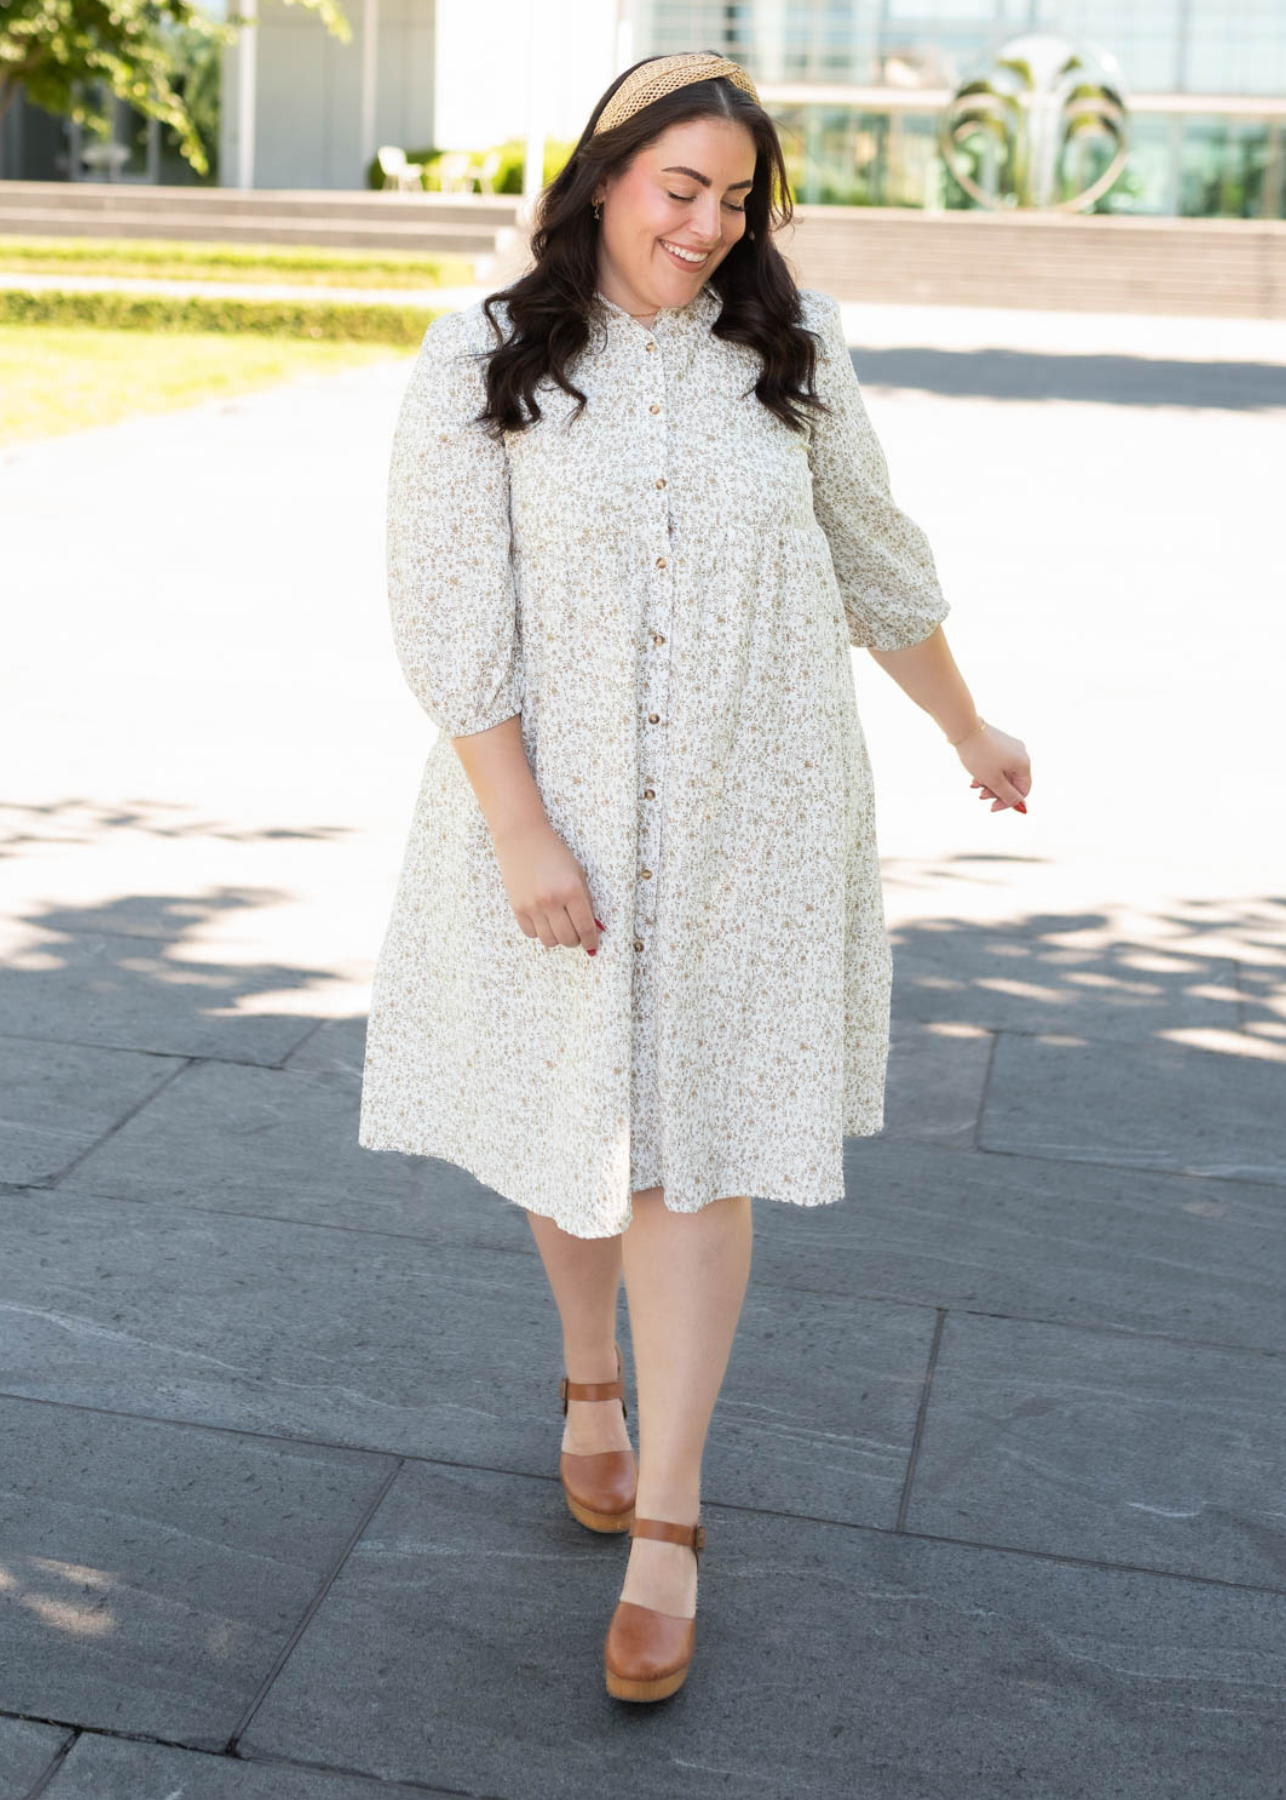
[{"x": 550, "y": 306}]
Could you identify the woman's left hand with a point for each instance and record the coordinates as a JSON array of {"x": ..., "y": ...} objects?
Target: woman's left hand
[{"x": 1000, "y": 766}]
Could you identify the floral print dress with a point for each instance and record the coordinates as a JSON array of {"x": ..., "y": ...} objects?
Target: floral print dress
[{"x": 667, "y": 590}]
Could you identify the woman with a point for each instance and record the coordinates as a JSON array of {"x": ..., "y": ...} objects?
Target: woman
[{"x": 629, "y": 554}]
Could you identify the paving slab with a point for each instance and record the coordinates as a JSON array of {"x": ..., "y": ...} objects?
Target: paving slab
[
  {"x": 121, "y": 991},
  {"x": 61, "y": 1099},
  {"x": 283, "y": 1143},
  {"x": 1038, "y": 973},
  {"x": 26, "y": 1751},
  {"x": 426, "y": 1349},
  {"x": 461, "y": 1645},
  {"x": 1136, "y": 1250},
  {"x": 338, "y": 1046},
  {"x": 1125, "y": 1449},
  {"x": 1146, "y": 337},
  {"x": 103, "y": 1768},
  {"x": 934, "y": 1082},
  {"x": 1092, "y": 378},
  {"x": 1262, "y": 986},
  {"x": 1149, "y": 1105},
  {"x": 155, "y": 1572},
  {"x": 243, "y": 1138}
]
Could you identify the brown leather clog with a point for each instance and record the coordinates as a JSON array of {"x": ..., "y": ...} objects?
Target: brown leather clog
[
  {"x": 600, "y": 1485},
  {"x": 646, "y": 1653}
]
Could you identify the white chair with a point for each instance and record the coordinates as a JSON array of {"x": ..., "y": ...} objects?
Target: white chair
[
  {"x": 485, "y": 170},
  {"x": 455, "y": 172},
  {"x": 398, "y": 173}
]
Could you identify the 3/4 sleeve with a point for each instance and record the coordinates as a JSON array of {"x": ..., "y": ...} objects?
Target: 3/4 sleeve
[
  {"x": 448, "y": 539},
  {"x": 882, "y": 559}
]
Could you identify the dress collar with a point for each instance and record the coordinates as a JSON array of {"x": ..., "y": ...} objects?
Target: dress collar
[{"x": 703, "y": 308}]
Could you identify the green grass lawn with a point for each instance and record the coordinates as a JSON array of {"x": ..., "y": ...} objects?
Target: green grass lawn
[
  {"x": 55, "y": 380},
  {"x": 173, "y": 260}
]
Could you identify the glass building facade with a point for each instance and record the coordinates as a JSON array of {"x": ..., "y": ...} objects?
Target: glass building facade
[{"x": 858, "y": 86}]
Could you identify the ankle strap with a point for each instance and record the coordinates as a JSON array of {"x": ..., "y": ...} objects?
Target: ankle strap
[
  {"x": 590, "y": 1390},
  {"x": 694, "y": 1536},
  {"x": 596, "y": 1390}
]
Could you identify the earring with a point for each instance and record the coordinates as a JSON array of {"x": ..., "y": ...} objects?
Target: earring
[{"x": 598, "y": 209}]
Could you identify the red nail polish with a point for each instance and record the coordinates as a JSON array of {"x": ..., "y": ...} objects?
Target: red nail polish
[
  {"x": 1019, "y": 806},
  {"x": 593, "y": 952},
  {"x": 600, "y": 925}
]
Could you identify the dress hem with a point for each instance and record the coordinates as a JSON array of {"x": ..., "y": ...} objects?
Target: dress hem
[{"x": 473, "y": 1166}]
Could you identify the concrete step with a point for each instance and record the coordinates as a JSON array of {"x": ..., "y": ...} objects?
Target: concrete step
[
  {"x": 1046, "y": 224},
  {"x": 1056, "y": 249},
  {"x": 79, "y": 197},
  {"x": 1213, "y": 279},
  {"x": 1213, "y": 276},
  {"x": 1207, "y": 269},
  {"x": 1073, "y": 255},
  {"x": 1222, "y": 306},
  {"x": 1039, "y": 238},
  {"x": 1205, "y": 274},
  {"x": 430, "y": 238}
]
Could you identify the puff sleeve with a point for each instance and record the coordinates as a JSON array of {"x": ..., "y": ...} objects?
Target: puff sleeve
[
  {"x": 448, "y": 541},
  {"x": 882, "y": 560}
]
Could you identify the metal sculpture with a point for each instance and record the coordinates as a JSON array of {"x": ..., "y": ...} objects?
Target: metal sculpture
[{"x": 1041, "y": 98}]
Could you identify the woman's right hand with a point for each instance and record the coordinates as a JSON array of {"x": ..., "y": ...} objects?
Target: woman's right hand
[
  {"x": 546, "y": 887},
  {"x": 1000, "y": 766}
]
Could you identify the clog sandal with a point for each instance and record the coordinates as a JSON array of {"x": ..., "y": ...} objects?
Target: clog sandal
[
  {"x": 647, "y": 1654},
  {"x": 600, "y": 1485}
]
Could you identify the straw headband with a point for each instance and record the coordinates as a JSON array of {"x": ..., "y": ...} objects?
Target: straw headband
[{"x": 661, "y": 76}]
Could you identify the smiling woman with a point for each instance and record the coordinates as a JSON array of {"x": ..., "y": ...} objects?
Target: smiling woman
[
  {"x": 660, "y": 239},
  {"x": 693, "y": 226},
  {"x": 637, "y": 971}
]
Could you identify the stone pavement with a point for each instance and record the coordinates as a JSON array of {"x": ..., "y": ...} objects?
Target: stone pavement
[{"x": 280, "y": 1509}]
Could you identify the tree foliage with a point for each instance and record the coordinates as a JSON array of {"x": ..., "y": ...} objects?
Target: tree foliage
[{"x": 60, "y": 51}]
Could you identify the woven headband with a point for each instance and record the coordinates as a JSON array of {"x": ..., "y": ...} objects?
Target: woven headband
[{"x": 661, "y": 76}]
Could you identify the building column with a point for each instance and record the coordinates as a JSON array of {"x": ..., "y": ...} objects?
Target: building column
[
  {"x": 247, "y": 50},
  {"x": 370, "y": 58},
  {"x": 533, "y": 165}
]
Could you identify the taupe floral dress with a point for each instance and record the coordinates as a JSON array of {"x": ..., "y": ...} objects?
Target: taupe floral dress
[{"x": 667, "y": 589}]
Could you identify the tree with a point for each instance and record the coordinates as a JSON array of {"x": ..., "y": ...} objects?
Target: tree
[{"x": 60, "y": 51}]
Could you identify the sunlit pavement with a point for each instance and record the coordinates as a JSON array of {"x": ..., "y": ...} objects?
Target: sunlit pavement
[{"x": 281, "y": 1416}]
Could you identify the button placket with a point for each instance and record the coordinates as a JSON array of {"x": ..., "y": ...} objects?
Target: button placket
[
  {"x": 659, "y": 369},
  {"x": 654, "y": 693}
]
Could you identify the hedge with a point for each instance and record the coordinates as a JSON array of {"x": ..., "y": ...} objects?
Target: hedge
[{"x": 346, "y": 322}]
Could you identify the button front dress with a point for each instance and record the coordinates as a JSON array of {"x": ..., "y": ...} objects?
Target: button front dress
[{"x": 667, "y": 590}]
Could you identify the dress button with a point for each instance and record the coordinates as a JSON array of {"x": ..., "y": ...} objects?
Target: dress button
[
  {"x": 660, "y": 481},
  {"x": 649, "y": 793},
  {"x": 658, "y": 637},
  {"x": 646, "y": 874},
  {"x": 660, "y": 562},
  {"x": 652, "y": 718},
  {"x": 649, "y": 345},
  {"x": 654, "y": 407},
  {"x": 638, "y": 943}
]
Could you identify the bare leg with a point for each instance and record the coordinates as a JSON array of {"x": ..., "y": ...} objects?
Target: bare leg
[
  {"x": 685, "y": 1279},
  {"x": 585, "y": 1275}
]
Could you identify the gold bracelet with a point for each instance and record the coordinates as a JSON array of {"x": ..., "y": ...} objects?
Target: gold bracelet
[{"x": 980, "y": 726}]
